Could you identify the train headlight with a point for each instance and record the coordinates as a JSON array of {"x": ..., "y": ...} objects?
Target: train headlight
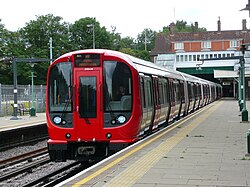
[
  {"x": 57, "y": 120},
  {"x": 121, "y": 119}
]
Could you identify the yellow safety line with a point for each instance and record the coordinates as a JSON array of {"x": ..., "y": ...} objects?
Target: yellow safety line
[
  {"x": 139, "y": 168},
  {"x": 98, "y": 172}
]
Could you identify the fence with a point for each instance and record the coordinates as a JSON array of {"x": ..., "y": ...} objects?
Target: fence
[{"x": 24, "y": 96}]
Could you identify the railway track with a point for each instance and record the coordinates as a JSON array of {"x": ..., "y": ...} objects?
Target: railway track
[
  {"x": 59, "y": 175},
  {"x": 31, "y": 165},
  {"x": 23, "y": 163},
  {"x": 22, "y": 157}
]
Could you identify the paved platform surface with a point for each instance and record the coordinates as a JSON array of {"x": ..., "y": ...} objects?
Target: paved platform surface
[
  {"x": 6, "y": 122},
  {"x": 205, "y": 150}
]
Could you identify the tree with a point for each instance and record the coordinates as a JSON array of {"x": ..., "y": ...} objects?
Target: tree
[
  {"x": 37, "y": 34},
  {"x": 82, "y": 34},
  {"x": 181, "y": 26},
  {"x": 146, "y": 39},
  {"x": 35, "y": 37},
  {"x": 5, "y": 51}
]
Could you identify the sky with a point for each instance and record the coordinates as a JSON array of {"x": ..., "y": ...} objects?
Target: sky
[{"x": 130, "y": 17}]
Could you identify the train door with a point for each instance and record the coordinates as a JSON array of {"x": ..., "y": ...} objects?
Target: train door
[
  {"x": 148, "y": 108},
  {"x": 164, "y": 100},
  {"x": 157, "y": 106},
  {"x": 172, "y": 101},
  {"x": 182, "y": 96},
  {"x": 201, "y": 95},
  {"x": 88, "y": 105},
  {"x": 190, "y": 97},
  {"x": 177, "y": 98},
  {"x": 143, "y": 124}
]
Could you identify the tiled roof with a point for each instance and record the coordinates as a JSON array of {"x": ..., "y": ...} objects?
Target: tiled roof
[
  {"x": 209, "y": 35},
  {"x": 163, "y": 41},
  {"x": 162, "y": 44}
]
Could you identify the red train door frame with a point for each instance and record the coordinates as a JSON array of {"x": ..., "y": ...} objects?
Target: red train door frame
[{"x": 88, "y": 105}]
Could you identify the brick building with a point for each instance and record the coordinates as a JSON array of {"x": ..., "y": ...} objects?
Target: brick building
[{"x": 184, "y": 51}]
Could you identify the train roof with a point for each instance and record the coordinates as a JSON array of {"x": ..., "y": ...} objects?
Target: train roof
[{"x": 143, "y": 66}]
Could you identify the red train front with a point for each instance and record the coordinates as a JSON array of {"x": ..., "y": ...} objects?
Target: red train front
[{"x": 93, "y": 100}]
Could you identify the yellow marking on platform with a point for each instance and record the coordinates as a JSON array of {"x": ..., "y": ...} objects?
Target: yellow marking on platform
[{"x": 139, "y": 168}]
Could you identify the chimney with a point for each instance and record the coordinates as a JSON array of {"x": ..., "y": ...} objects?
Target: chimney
[
  {"x": 244, "y": 24},
  {"x": 219, "y": 25},
  {"x": 196, "y": 26},
  {"x": 172, "y": 28}
]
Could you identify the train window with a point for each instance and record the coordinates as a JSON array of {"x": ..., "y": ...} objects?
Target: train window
[
  {"x": 176, "y": 90},
  {"x": 87, "y": 97},
  {"x": 166, "y": 90},
  {"x": 149, "y": 92},
  {"x": 182, "y": 90},
  {"x": 161, "y": 93},
  {"x": 60, "y": 87},
  {"x": 117, "y": 86}
]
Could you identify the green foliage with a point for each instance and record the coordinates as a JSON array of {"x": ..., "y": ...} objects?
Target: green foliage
[
  {"x": 142, "y": 54},
  {"x": 182, "y": 26},
  {"x": 32, "y": 41}
]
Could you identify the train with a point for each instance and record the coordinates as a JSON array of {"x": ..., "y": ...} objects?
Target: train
[{"x": 98, "y": 100}]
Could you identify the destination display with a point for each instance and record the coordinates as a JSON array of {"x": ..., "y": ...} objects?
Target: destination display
[{"x": 87, "y": 60}]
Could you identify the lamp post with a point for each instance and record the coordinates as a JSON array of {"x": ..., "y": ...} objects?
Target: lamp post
[
  {"x": 32, "y": 110},
  {"x": 50, "y": 50},
  {"x": 244, "y": 115},
  {"x": 14, "y": 117},
  {"x": 93, "y": 31}
]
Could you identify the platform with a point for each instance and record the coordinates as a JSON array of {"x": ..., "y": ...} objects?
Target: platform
[
  {"x": 6, "y": 122},
  {"x": 207, "y": 149}
]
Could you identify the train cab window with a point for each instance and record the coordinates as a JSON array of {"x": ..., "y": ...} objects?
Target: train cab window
[
  {"x": 60, "y": 87},
  {"x": 117, "y": 75},
  {"x": 87, "y": 97}
]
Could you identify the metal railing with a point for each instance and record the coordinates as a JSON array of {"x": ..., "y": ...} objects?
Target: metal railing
[{"x": 24, "y": 97}]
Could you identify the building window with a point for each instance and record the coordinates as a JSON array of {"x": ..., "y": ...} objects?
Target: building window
[
  {"x": 177, "y": 58},
  {"x": 194, "y": 57},
  {"x": 234, "y": 43},
  {"x": 181, "y": 58},
  {"x": 178, "y": 45},
  {"x": 190, "y": 57},
  {"x": 206, "y": 44}
]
